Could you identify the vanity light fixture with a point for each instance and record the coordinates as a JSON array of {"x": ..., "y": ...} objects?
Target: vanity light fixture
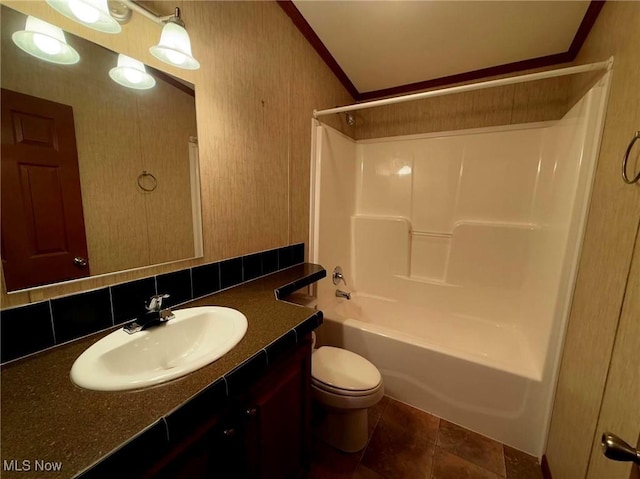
[
  {"x": 131, "y": 73},
  {"x": 90, "y": 13},
  {"x": 174, "y": 47},
  {"x": 46, "y": 42}
]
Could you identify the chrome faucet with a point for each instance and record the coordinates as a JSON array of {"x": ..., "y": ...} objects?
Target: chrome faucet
[
  {"x": 338, "y": 276},
  {"x": 342, "y": 294},
  {"x": 155, "y": 315},
  {"x": 155, "y": 303}
]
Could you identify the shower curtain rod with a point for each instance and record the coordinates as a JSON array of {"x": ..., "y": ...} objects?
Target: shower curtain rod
[{"x": 606, "y": 65}]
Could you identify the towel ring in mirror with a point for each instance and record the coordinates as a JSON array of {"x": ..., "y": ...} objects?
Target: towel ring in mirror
[{"x": 154, "y": 181}]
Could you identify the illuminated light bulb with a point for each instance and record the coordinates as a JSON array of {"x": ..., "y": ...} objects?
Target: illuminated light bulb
[
  {"x": 174, "y": 47},
  {"x": 90, "y": 13},
  {"x": 131, "y": 73},
  {"x": 45, "y": 41},
  {"x": 176, "y": 57},
  {"x": 134, "y": 76},
  {"x": 83, "y": 11},
  {"x": 48, "y": 45}
]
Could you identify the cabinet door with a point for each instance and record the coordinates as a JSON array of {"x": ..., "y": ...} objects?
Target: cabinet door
[
  {"x": 211, "y": 452},
  {"x": 278, "y": 433}
]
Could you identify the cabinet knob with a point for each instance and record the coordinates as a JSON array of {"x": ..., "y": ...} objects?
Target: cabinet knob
[
  {"x": 229, "y": 432},
  {"x": 251, "y": 412}
]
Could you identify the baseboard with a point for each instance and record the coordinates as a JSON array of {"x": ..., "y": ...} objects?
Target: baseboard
[{"x": 544, "y": 465}]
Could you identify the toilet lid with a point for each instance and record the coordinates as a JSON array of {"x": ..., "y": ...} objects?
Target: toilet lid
[{"x": 343, "y": 369}]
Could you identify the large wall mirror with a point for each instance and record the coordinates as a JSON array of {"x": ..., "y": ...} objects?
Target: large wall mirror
[{"x": 96, "y": 177}]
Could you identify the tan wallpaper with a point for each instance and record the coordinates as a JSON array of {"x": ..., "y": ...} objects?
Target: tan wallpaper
[
  {"x": 522, "y": 103},
  {"x": 255, "y": 93},
  {"x": 116, "y": 141},
  {"x": 606, "y": 254}
]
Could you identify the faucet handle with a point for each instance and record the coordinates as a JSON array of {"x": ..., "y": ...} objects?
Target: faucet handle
[
  {"x": 338, "y": 276},
  {"x": 155, "y": 303}
]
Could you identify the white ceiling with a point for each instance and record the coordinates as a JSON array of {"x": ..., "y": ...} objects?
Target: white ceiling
[{"x": 384, "y": 44}]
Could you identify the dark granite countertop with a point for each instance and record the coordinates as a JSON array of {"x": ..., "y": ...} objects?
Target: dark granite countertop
[{"x": 45, "y": 417}]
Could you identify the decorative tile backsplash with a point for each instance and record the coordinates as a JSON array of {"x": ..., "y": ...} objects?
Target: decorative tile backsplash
[
  {"x": 81, "y": 314},
  {"x": 35, "y": 327}
]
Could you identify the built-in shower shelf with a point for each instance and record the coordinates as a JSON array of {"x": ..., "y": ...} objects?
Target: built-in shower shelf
[
  {"x": 498, "y": 224},
  {"x": 431, "y": 234},
  {"x": 426, "y": 280},
  {"x": 450, "y": 234}
]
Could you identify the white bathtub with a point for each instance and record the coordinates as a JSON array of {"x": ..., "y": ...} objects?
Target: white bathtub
[{"x": 435, "y": 364}]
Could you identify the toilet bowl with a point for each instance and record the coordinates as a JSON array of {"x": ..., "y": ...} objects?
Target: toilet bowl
[{"x": 344, "y": 385}]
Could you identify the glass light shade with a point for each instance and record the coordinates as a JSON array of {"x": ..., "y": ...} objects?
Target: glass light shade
[
  {"x": 174, "y": 48},
  {"x": 46, "y": 42},
  {"x": 132, "y": 74},
  {"x": 91, "y": 13}
]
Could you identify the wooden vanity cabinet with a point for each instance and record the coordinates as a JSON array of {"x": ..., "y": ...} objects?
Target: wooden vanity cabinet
[
  {"x": 263, "y": 434},
  {"x": 215, "y": 450},
  {"x": 277, "y": 428}
]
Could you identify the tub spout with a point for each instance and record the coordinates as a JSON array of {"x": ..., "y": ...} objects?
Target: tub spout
[{"x": 342, "y": 294}]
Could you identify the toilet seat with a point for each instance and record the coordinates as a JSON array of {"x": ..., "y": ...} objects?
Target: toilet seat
[
  {"x": 342, "y": 392},
  {"x": 342, "y": 372},
  {"x": 343, "y": 402}
]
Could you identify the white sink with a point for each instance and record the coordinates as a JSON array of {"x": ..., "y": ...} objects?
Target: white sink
[{"x": 191, "y": 340}]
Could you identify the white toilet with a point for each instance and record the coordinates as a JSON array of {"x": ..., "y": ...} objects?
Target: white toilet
[{"x": 344, "y": 385}]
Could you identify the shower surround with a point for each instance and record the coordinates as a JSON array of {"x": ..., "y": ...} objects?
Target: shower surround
[{"x": 461, "y": 250}]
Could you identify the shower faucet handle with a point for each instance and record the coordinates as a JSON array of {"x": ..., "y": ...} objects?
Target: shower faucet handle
[{"x": 338, "y": 276}]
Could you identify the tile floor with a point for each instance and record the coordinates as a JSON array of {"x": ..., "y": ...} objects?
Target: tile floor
[{"x": 406, "y": 443}]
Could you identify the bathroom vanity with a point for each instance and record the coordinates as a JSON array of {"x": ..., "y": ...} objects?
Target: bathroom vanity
[
  {"x": 244, "y": 415},
  {"x": 264, "y": 432}
]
